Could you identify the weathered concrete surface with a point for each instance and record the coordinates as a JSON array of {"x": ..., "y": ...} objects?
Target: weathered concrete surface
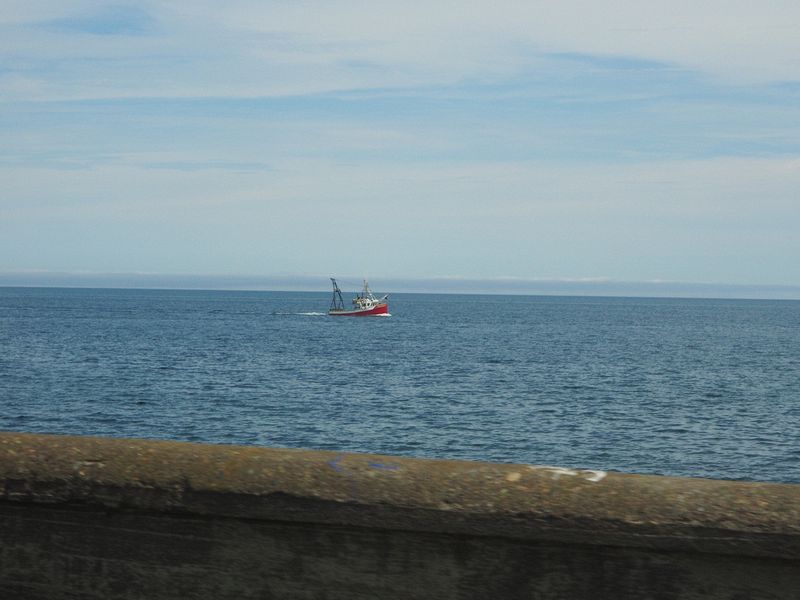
[{"x": 116, "y": 518}]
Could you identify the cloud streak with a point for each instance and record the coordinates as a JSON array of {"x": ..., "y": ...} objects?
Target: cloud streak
[{"x": 253, "y": 49}]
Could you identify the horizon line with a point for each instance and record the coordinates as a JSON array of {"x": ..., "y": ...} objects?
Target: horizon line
[{"x": 504, "y": 285}]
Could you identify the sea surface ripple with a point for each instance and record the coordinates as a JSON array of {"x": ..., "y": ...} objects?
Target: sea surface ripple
[{"x": 702, "y": 388}]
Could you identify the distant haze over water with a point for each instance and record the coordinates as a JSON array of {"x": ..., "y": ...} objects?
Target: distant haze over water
[{"x": 456, "y": 285}]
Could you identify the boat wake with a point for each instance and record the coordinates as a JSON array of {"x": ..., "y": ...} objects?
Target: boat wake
[{"x": 302, "y": 314}]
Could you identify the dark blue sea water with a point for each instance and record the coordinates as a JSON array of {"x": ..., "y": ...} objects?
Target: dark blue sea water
[{"x": 704, "y": 388}]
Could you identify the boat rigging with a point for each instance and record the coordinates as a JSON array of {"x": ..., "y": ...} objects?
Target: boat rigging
[{"x": 365, "y": 304}]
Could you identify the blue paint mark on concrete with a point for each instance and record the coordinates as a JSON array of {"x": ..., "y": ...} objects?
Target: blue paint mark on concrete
[
  {"x": 335, "y": 463},
  {"x": 377, "y": 465}
]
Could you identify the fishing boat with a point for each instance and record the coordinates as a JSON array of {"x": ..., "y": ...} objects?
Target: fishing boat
[{"x": 365, "y": 304}]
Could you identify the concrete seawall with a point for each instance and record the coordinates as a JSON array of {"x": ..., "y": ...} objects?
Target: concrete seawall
[{"x": 84, "y": 517}]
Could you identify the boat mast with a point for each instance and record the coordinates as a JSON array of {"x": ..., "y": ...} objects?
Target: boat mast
[{"x": 337, "y": 295}]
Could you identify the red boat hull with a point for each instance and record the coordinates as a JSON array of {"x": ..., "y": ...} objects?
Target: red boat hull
[{"x": 375, "y": 311}]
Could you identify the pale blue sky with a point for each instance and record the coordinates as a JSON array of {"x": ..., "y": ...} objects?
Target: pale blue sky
[{"x": 622, "y": 141}]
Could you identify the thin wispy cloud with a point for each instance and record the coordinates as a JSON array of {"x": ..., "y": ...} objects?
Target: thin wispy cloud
[
  {"x": 276, "y": 48},
  {"x": 104, "y": 20}
]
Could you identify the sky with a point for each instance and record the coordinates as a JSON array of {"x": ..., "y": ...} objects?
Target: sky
[{"x": 571, "y": 141}]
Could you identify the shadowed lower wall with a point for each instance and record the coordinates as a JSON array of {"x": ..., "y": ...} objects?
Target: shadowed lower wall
[{"x": 84, "y": 517}]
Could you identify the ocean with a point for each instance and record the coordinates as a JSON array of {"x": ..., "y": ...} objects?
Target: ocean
[{"x": 689, "y": 387}]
